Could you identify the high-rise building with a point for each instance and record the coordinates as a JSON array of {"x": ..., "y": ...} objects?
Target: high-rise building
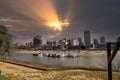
[
  {"x": 102, "y": 40},
  {"x": 87, "y": 37},
  {"x": 37, "y": 41}
]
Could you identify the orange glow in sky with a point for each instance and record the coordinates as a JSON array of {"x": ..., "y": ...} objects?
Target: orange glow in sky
[
  {"x": 42, "y": 11},
  {"x": 57, "y": 25}
]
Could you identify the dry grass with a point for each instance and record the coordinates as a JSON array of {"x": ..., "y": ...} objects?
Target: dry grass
[{"x": 23, "y": 73}]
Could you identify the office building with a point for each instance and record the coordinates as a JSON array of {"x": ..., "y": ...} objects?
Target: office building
[{"x": 87, "y": 37}]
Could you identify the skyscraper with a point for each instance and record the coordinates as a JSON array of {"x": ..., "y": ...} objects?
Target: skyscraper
[
  {"x": 87, "y": 37},
  {"x": 37, "y": 41}
]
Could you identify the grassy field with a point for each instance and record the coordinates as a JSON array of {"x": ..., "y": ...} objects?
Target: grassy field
[
  {"x": 14, "y": 72},
  {"x": 3, "y": 77},
  {"x": 65, "y": 75},
  {"x": 62, "y": 75}
]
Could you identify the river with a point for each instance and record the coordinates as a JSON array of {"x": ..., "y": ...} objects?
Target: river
[{"x": 88, "y": 61}]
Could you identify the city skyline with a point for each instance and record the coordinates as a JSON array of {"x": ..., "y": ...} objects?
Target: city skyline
[
  {"x": 56, "y": 19},
  {"x": 87, "y": 40}
]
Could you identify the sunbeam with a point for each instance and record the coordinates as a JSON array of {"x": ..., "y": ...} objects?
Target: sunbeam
[{"x": 42, "y": 11}]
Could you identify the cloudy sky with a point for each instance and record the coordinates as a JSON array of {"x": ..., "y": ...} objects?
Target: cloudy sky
[{"x": 28, "y": 18}]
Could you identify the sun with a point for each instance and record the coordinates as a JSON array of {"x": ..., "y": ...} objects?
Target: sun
[
  {"x": 58, "y": 25},
  {"x": 55, "y": 26}
]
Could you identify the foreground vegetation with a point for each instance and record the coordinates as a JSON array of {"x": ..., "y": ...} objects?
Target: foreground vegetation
[
  {"x": 3, "y": 77},
  {"x": 64, "y": 75},
  {"x": 5, "y": 42},
  {"x": 5, "y": 46},
  {"x": 15, "y": 72}
]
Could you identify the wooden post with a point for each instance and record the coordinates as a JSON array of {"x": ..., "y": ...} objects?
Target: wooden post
[{"x": 109, "y": 64}]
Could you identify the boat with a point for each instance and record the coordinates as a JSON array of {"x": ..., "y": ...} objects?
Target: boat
[
  {"x": 49, "y": 55},
  {"x": 35, "y": 54},
  {"x": 54, "y": 55}
]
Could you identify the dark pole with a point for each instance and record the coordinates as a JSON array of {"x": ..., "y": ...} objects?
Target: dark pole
[
  {"x": 109, "y": 64},
  {"x": 114, "y": 52}
]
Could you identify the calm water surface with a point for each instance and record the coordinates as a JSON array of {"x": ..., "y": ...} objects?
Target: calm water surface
[{"x": 89, "y": 61}]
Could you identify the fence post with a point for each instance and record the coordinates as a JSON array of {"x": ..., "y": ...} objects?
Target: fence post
[
  {"x": 0, "y": 72},
  {"x": 109, "y": 64}
]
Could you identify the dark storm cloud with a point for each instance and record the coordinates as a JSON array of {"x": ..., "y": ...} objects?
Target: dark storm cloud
[
  {"x": 103, "y": 16},
  {"x": 93, "y": 12}
]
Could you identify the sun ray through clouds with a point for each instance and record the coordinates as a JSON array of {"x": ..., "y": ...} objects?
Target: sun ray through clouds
[{"x": 43, "y": 12}]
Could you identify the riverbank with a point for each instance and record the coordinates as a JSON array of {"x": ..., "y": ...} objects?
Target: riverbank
[
  {"x": 48, "y": 67},
  {"x": 16, "y": 72},
  {"x": 81, "y": 53}
]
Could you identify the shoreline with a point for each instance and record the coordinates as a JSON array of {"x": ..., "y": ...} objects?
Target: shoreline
[
  {"x": 48, "y": 67},
  {"x": 81, "y": 53},
  {"x": 17, "y": 72}
]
